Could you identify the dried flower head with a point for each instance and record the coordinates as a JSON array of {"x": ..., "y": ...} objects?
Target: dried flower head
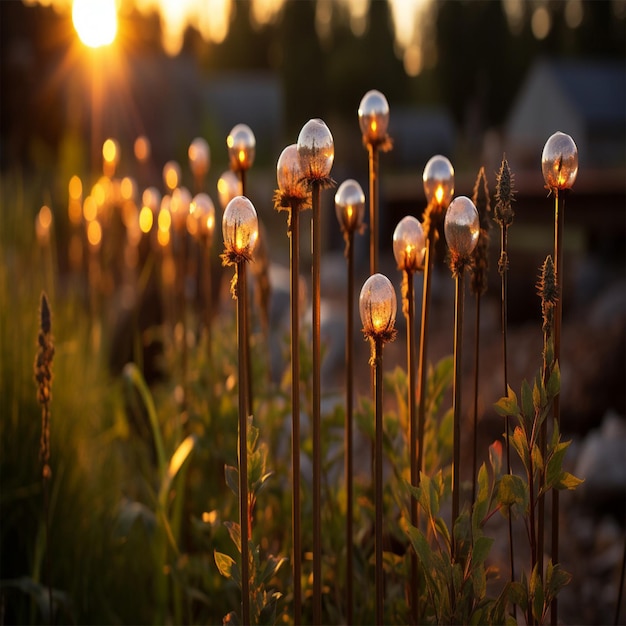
[
  {"x": 43, "y": 378},
  {"x": 503, "y": 212},
  {"x": 548, "y": 291},
  {"x": 480, "y": 198}
]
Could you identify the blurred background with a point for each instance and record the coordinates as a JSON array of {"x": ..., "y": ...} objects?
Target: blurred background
[{"x": 473, "y": 80}]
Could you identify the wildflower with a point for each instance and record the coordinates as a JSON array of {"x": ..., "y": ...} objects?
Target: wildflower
[
  {"x": 480, "y": 198},
  {"x": 43, "y": 378}
]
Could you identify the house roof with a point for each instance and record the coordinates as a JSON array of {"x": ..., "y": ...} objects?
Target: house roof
[{"x": 597, "y": 89}]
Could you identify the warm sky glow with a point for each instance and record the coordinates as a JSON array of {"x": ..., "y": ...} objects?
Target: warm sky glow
[
  {"x": 95, "y": 21},
  {"x": 413, "y": 20}
]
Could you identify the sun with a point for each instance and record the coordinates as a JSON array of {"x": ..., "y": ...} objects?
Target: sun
[{"x": 95, "y": 21}]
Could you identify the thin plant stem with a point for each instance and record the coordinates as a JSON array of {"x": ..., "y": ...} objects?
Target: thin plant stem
[
  {"x": 243, "y": 442},
  {"x": 456, "y": 406},
  {"x": 373, "y": 184},
  {"x": 423, "y": 353},
  {"x": 373, "y": 189},
  {"x": 378, "y": 483},
  {"x": 410, "y": 351},
  {"x": 182, "y": 280},
  {"x": 294, "y": 254},
  {"x": 249, "y": 391},
  {"x": 620, "y": 589},
  {"x": 317, "y": 492},
  {"x": 349, "y": 457},
  {"x": 559, "y": 206},
  {"x": 541, "y": 502},
  {"x": 504, "y": 311},
  {"x": 208, "y": 303},
  {"x": 46, "y": 506},
  {"x": 43, "y": 378},
  {"x": 476, "y": 372}
]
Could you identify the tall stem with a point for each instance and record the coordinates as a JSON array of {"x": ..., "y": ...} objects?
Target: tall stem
[
  {"x": 349, "y": 464},
  {"x": 456, "y": 403},
  {"x": 558, "y": 259},
  {"x": 476, "y": 367},
  {"x": 373, "y": 182},
  {"x": 378, "y": 483},
  {"x": 317, "y": 491},
  {"x": 208, "y": 299},
  {"x": 249, "y": 392},
  {"x": 410, "y": 366},
  {"x": 243, "y": 441},
  {"x": 294, "y": 254},
  {"x": 422, "y": 367},
  {"x": 183, "y": 314},
  {"x": 373, "y": 185},
  {"x": 504, "y": 261}
]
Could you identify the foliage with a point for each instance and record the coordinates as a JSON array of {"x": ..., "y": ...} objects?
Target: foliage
[
  {"x": 263, "y": 602},
  {"x": 140, "y": 504}
]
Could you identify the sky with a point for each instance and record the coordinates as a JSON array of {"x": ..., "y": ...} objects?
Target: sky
[{"x": 413, "y": 20}]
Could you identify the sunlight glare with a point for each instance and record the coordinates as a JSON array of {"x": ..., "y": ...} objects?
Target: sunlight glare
[{"x": 95, "y": 21}]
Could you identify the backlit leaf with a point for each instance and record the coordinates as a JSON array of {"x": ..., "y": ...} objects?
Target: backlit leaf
[
  {"x": 224, "y": 563},
  {"x": 507, "y": 405}
]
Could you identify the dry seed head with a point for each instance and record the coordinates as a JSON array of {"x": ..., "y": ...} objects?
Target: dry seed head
[
  {"x": 548, "y": 291},
  {"x": 547, "y": 286},
  {"x": 480, "y": 198},
  {"x": 503, "y": 212},
  {"x": 43, "y": 378}
]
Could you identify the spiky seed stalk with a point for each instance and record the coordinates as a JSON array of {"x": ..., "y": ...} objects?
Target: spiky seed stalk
[
  {"x": 480, "y": 198},
  {"x": 503, "y": 212},
  {"x": 503, "y": 215},
  {"x": 548, "y": 292},
  {"x": 43, "y": 378}
]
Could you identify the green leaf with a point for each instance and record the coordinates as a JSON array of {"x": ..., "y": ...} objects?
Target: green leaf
[
  {"x": 267, "y": 615},
  {"x": 556, "y": 579},
  {"x": 536, "y": 594},
  {"x": 424, "y": 554},
  {"x": 537, "y": 459},
  {"x": 554, "y": 382},
  {"x": 528, "y": 407},
  {"x": 481, "y": 505},
  {"x": 132, "y": 374},
  {"x": 519, "y": 442},
  {"x": 235, "y": 534},
  {"x": 555, "y": 463},
  {"x": 441, "y": 526},
  {"x": 252, "y": 436},
  {"x": 495, "y": 457},
  {"x": 429, "y": 498},
  {"x": 231, "y": 474},
  {"x": 507, "y": 406},
  {"x": 518, "y": 594},
  {"x": 439, "y": 380},
  {"x": 178, "y": 459},
  {"x": 224, "y": 563},
  {"x": 537, "y": 399},
  {"x": 480, "y": 551},
  {"x": 271, "y": 567},
  {"x": 568, "y": 481},
  {"x": 512, "y": 490},
  {"x": 479, "y": 583}
]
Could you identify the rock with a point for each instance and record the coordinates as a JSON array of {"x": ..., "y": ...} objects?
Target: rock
[{"x": 602, "y": 464}]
